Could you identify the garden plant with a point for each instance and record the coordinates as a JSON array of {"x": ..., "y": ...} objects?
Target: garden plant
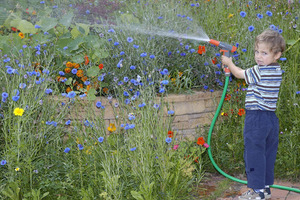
[{"x": 62, "y": 63}]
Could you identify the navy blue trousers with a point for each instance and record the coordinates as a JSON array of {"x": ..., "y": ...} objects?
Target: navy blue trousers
[{"x": 261, "y": 132}]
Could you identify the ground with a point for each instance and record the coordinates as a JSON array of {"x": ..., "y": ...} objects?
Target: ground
[{"x": 217, "y": 187}]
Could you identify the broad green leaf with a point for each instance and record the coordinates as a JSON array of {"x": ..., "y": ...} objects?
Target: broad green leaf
[
  {"x": 91, "y": 94},
  {"x": 78, "y": 59},
  {"x": 26, "y": 27},
  {"x": 75, "y": 44},
  {"x": 291, "y": 42},
  {"x": 93, "y": 71},
  {"x": 67, "y": 19},
  {"x": 63, "y": 42},
  {"x": 75, "y": 33},
  {"x": 85, "y": 27},
  {"x": 48, "y": 23},
  {"x": 69, "y": 81},
  {"x": 129, "y": 18}
]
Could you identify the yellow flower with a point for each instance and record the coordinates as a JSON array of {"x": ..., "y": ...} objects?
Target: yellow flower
[
  {"x": 21, "y": 35},
  {"x": 111, "y": 127},
  {"x": 230, "y": 15},
  {"x": 17, "y": 169},
  {"x": 18, "y": 111}
]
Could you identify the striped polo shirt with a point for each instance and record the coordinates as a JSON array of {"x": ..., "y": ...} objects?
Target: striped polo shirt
[{"x": 263, "y": 87}]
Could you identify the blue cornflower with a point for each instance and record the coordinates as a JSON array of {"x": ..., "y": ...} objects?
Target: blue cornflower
[
  {"x": 171, "y": 112},
  {"x": 260, "y": 16},
  {"x": 98, "y": 104},
  {"x": 15, "y": 98},
  {"x": 132, "y": 67},
  {"x": 116, "y": 43},
  {"x": 68, "y": 122},
  {"x": 136, "y": 46},
  {"x": 87, "y": 82},
  {"x": 133, "y": 149},
  {"x": 74, "y": 71},
  {"x": 162, "y": 90},
  {"x": 71, "y": 94},
  {"x": 272, "y": 27},
  {"x": 298, "y": 92},
  {"x": 280, "y": 31},
  {"x": 156, "y": 106},
  {"x": 65, "y": 48},
  {"x": 122, "y": 53},
  {"x": 244, "y": 50},
  {"x": 67, "y": 150},
  {"x": 48, "y": 91},
  {"x": 111, "y": 30},
  {"x": 55, "y": 6},
  {"x": 80, "y": 147},
  {"x": 3, "y": 162},
  {"x": 164, "y": 82},
  {"x": 152, "y": 56},
  {"x": 251, "y": 28},
  {"x": 87, "y": 12},
  {"x": 164, "y": 72},
  {"x": 143, "y": 54},
  {"x": 125, "y": 94},
  {"x": 269, "y": 13},
  {"x": 282, "y": 59},
  {"x": 61, "y": 73},
  {"x": 4, "y": 95},
  {"x": 142, "y": 105},
  {"x": 10, "y": 70},
  {"x": 192, "y": 4},
  {"x": 42, "y": 2},
  {"x": 168, "y": 140},
  {"x": 100, "y": 139},
  {"x": 129, "y": 39},
  {"x": 160, "y": 17},
  {"x": 205, "y": 87},
  {"x": 37, "y": 26},
  {"x": 243, "y": 13},
  {"x": 127, "y": 101}
]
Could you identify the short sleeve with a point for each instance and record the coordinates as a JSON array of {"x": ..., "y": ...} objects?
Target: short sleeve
[{"x": 252, "y": 75}]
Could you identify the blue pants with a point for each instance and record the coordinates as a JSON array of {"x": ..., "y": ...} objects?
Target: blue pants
[{"x": 261, "y": 132}]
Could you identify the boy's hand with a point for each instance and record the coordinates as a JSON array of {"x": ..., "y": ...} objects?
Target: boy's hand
[{"x": 226, "y": 61}]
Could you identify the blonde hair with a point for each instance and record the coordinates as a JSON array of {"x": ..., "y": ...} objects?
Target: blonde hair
[{"x": 273, "y": 38}]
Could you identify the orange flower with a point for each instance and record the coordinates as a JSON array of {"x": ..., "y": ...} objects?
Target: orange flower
[
  {"x": 21, "y": 35},
  {"x": 180, "y": 74},
  {"x": 111, "y": 127},
  {"x": 101, "y": 66},
  {"x": 196, "y": 160},
  {"x": 105, "y": 90},
  {"x": 79, "y": 73},
  {"x": 170, "y": 134},
  {"x": 86, "y": 60},
  {"x": 241, "y": 112},
  {"x": 200, "y": 141},
  {"x": 88, "y": 87},
  {"x": 76, "y": 66},
  {"x": 69, "y": 64},
  {"x": 79, "y": 86},
  {"x": 84, "y": 78},
  {"x": 68, "y": 89},
  {"x": 67, "y": 70}
]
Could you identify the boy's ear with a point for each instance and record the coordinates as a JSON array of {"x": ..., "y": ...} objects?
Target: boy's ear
[{"x": 277, "y": 55}]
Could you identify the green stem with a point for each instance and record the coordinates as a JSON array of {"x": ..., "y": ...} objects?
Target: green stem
[{"x": 293, "y": 45}]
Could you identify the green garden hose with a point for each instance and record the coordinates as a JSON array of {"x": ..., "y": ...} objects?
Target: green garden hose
[{"x": 209, "y": 148}]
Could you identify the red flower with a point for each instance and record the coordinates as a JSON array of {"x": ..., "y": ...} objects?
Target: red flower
[
  {"x": 214, "y": 61},
  {"x": 201, "y": 50},
  {"x": 86, "y": 60},
  {"x": 200, "y": 141},
  {"x": 227, "y": 97},
  {"x": 170, "y": 134},
  {"x": 241, "y": 112},
  {"x": 101, "y": 66}
]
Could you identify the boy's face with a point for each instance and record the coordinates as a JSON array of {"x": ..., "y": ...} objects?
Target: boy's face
[{"x": 263, "y": 54}]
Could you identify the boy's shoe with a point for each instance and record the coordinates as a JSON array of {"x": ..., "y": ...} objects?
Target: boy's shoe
[
  {"x": 267, "y": 193},
  {"x": 252, "y": 195}
]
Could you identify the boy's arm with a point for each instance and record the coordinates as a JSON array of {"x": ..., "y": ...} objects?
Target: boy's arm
[{"x": 236, "y": 71}]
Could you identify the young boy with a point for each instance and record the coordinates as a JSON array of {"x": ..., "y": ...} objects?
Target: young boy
[{"x": 261, "y": 124}]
